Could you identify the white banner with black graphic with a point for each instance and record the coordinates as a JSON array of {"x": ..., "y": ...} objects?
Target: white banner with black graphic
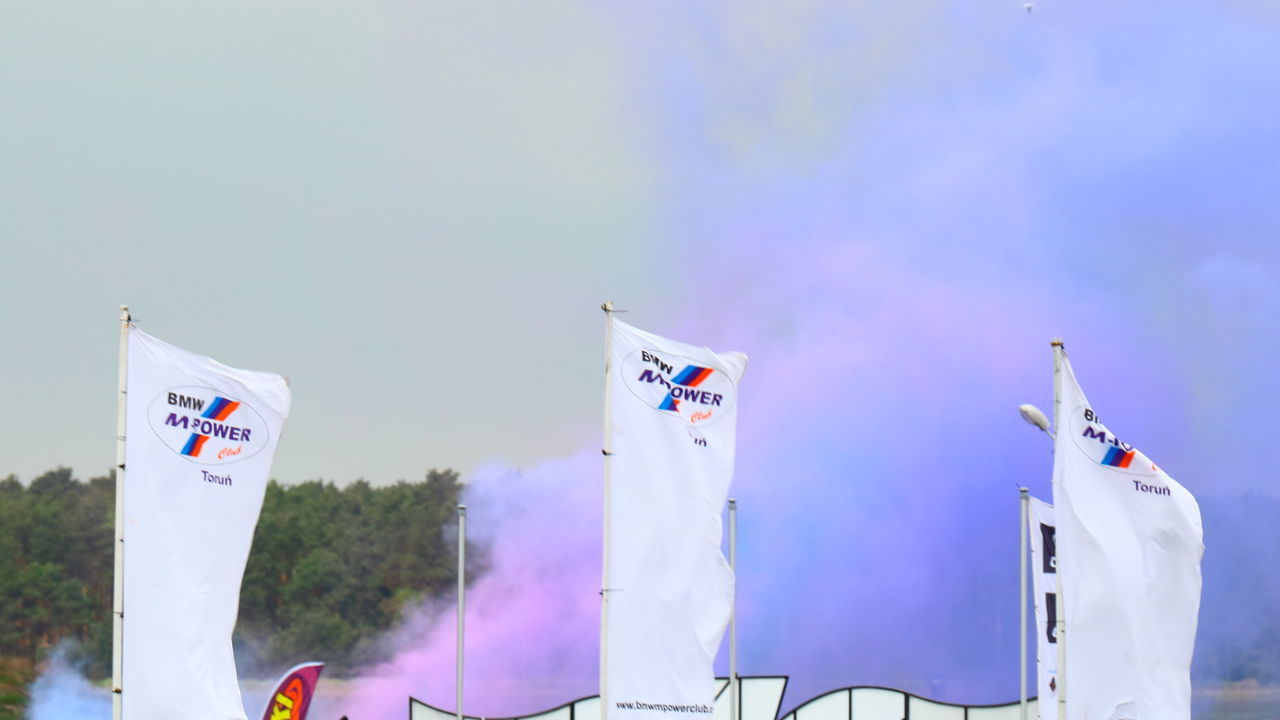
[
  {"x": 1129, "y": 548},
  {"x": 199, "y": 440},
  {"x": 673, "y": 417},
  {"x": 1044, "y": 588}
]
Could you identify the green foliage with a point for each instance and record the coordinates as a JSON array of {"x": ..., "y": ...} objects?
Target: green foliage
[
  {"x": 15, "y": 676},
  {"x": 55, "y": 564},
  {"x": 330, "y": 568}
]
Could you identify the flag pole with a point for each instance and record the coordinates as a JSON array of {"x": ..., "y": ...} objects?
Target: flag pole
[
  {"x": 733, "y": 611},
  {"x": 1024, "y": 502},
  {"x": 607, "y": 307},
  {"x": 1059, "y": 354},
  {"x": 462, "y": 597},
  {"x": 117, "y": 595}
]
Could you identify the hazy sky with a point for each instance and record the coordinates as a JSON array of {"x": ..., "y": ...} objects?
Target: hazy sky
[{"x": 413, "y": 209}]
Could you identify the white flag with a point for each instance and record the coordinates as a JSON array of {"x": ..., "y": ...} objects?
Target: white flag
[
  {"x": 670, "y": 590},
  {"x": 199, "y": 440},
  {"x": 1044, "y": 586},
  {"x": 1129, "y": 549}
]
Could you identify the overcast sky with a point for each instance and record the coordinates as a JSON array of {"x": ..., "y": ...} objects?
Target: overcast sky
[{"x": 413, "y": 209}]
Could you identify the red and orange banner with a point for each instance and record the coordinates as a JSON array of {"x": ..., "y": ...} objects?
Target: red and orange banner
[{"x": 292, "y": 697}]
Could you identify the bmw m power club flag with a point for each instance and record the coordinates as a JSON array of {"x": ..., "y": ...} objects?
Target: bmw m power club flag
[
  {"x": 1129, "y": 545},
  {"x": 673, "y": 412},
  {"x": 199, "y": 438},
  {"x": 1044, "y": 586}
]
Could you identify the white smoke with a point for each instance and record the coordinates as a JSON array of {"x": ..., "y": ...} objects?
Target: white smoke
[{"x": 62, "y": 693}]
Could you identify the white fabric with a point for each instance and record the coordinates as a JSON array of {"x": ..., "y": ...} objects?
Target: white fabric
[
  {"x": 672, "y": 421},
  {"x": 189, "y": 521},
  {"x": 1044, "y": 588},
  {"x": 1129, "y": 549}
]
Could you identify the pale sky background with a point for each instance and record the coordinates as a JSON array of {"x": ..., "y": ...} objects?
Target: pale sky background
[{"x": 412, "y": 210}]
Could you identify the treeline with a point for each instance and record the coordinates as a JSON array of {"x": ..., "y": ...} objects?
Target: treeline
[
  {"x": 330, "y": 568},
  {"x": 333, "y": 567},
  {"x": 56, "y": 566}
]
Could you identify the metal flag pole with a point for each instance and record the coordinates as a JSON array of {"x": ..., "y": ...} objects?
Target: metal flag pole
[
  {"x": 1024, "y": 501},
  {"x": 1059, "y": 354},
  {"x": 733, "y": 611},
  {"x": 117, "y": 595},
  {"x": 462, "y": 596},
  {"x": 607, "y": 307}
]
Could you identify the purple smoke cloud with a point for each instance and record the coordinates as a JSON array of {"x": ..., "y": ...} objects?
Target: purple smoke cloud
[
  {"x": 879, "y": 451},
  {"x": 532, "y": 617},
  {"x": 893, "y": 231}
]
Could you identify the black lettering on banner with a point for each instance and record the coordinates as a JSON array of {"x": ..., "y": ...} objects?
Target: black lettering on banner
[
  {"x": 1049, "y": 548},
  {"x": 1051, "y": 616},
  {"x": 183, "y": 401}
]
